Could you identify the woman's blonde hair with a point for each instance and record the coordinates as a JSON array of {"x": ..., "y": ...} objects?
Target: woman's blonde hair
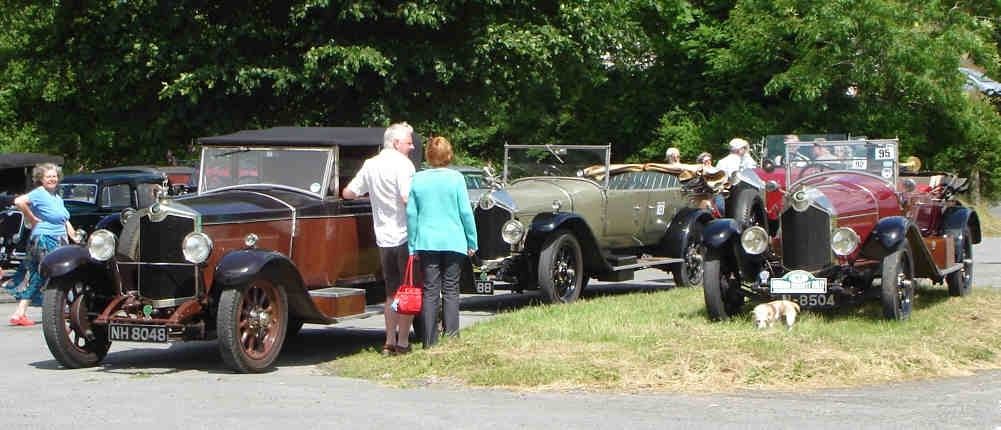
[
  {"x": 438, "y": 152},
  {"x": 39, "y": 172}
]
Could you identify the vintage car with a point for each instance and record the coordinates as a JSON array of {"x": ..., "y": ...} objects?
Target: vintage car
[
  {"x": 15, "y": 179},
  {"x": 95, "y": 200},
  {"x": 477, "y": 182},
  {"x": 564, "y": 214},
  {"x": 850, "y": 231},
  {"x": 246, "y": 260}
]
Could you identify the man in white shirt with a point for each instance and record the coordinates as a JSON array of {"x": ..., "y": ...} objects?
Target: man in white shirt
[
  {"x": 386, "y": 179},
  {"x": 737, "y": 159}
]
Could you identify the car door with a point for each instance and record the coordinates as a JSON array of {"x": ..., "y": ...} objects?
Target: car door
[
  {"x": 626, "y": 209},
  {"x": 664, "y": 199}
]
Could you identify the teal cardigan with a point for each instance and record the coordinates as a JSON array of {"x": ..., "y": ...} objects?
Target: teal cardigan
[{"x": 439, "y": 217}]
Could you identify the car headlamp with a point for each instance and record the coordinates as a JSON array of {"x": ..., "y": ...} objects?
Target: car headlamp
[
  {"x": 101, "y": 245},
  {"x": 845, "y": 241},
  {"x": 754, "y": 240},
  {"x": 512, "y": 231},
  {"x": 486, "y": 202},
  {"x": 196, "y": 247}
]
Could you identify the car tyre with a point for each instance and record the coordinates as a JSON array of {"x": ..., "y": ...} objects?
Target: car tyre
[
  {"x": 690, "y": 273},
  {"x": 720, "y": 289},
  {"x": 961, "y": 281},
  {"x": 561, "y": 268},
  {"x": 73, "y": 346},
  {"x": 252, "y": 324},
  {"x": 294, "y": 327},
  {"x": 897, "y": 285}
]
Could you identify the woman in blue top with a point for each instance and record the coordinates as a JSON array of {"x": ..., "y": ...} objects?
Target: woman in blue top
[
  {"x": 49, "y": 221},
  {"x": 442, "y": 232}
]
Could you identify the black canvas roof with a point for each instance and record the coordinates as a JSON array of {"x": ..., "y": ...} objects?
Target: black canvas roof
[
  {"x": 312, "y": 136},
  {"x": 26, "y": 159}
]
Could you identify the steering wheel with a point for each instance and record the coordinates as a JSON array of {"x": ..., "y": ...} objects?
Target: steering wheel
[
  {"x": 551, "y": 170},
  {"x": 813, "y": 165}
]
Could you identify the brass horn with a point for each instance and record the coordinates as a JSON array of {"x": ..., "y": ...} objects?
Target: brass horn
[{"x": 913, "y": 164}]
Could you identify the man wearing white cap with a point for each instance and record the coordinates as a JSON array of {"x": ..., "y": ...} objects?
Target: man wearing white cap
[{"x": 737, "y": 159}]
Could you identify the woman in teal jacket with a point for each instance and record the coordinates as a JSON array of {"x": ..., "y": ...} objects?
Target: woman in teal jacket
[{"x": 442, "y": 233}]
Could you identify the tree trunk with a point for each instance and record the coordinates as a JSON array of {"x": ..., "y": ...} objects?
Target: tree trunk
[{"x": 975, "y": 186}]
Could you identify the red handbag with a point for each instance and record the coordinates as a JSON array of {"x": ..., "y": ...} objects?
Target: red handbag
[{"x": 410, "y": 295}]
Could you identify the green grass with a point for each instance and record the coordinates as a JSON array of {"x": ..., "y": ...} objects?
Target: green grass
[{"x": 662, "y": 341}]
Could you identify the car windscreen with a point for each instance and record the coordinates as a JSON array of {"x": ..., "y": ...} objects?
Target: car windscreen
[
  {"x": 876, "y": 157},
  {"x": 301, "y": 168},
  {"x": 523, "y": 161},
  {"x": 81, "y": 193}
]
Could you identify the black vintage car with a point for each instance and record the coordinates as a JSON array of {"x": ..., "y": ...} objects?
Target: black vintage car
[
  {"x": 96, "y": 200},
  {"x": 265, "y": 245}
]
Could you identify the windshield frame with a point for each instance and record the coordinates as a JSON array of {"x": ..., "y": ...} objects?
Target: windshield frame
[
  {"x": 327, "y": 175},
  {"x": 63, "y": 185},
  {"x": 553, "y": 149}
]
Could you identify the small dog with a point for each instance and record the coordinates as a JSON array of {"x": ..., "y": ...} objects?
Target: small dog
[{"x": 766, "y": 314}]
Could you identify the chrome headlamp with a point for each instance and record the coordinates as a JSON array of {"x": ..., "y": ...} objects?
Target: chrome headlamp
[
  {"x": 486, "y": 202},
  {"x": 754, "y": 240},
  {"x": 844, "y": 241},
  {"x": 101, "y": 245},
  {"x": 196, "y": 247},
  {"x": 512, "y": 232}
]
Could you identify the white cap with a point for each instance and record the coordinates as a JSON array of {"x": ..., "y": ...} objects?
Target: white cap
[{"x": 738, "y": 143}]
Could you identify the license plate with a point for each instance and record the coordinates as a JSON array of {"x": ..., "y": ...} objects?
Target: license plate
[
  {"x": 798, "y": 282},
  {"x": 810, "y": 300},
  {"x": 484, "y": 286},
  {"x": 137, "y": 333}
]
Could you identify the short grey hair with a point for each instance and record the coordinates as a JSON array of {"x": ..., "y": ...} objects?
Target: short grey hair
[
  {"x": 672, "y": 153},
  {"x": 39, "y": 172},
  {"x": 396, "y": 132}
]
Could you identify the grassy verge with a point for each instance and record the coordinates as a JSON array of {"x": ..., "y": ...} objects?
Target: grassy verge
[{"x": 662, "y": 341}]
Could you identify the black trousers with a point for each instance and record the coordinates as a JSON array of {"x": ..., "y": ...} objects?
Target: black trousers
[{"x": 441, "y": 281}]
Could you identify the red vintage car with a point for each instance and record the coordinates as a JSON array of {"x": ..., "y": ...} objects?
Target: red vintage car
[
  {"x": 847, "y": 219},
  {"x": 245, "y": 261}
]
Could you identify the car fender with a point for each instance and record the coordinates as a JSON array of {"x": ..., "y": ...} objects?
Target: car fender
[
  {"x": 64, "y": 260},
  {"x": 718, "y": 232},
  {"x": 956, "y": 219},
  {"x": 112, "y": 223},
  {"x": 240, "y": 267},
  {"x": 545, "y": 223},
  {"x": 676, "y": 238},
  {"x": 886, "y": 237}
]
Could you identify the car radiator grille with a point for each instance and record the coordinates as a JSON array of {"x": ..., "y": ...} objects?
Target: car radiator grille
[
  {"x": 150, "y": 258},
  {"x": 806, "y": 239},
  {"x": 488, "y": 228}
]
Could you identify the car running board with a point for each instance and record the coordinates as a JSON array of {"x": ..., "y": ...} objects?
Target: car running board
[
  {"x": 643, "y": 263},
  {"x": 953, "y": 268}
]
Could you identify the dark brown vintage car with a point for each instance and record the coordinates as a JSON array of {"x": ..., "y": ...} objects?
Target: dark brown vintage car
[{"x": 264, "y": 246}]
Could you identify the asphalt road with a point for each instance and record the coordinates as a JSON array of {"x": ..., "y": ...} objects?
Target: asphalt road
[{"x": 186, "y": 385}]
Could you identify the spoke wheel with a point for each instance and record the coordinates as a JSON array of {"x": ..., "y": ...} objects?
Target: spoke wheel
[
  {"x": 690, "y": 272},
  {"x": 961, "y": 282},
  {"x": 67, "y": 313},
  {"x": 561, "y": 268},
  {"x": 897, "y": 286},
  {"x": 252, "y": 325}
]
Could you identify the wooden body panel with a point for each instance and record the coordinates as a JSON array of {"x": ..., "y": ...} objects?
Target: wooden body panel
[
  {"x": 942, "y": 249},
  {"x": 226, "y": 238},
  {"x": 337, "y": 249}
]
